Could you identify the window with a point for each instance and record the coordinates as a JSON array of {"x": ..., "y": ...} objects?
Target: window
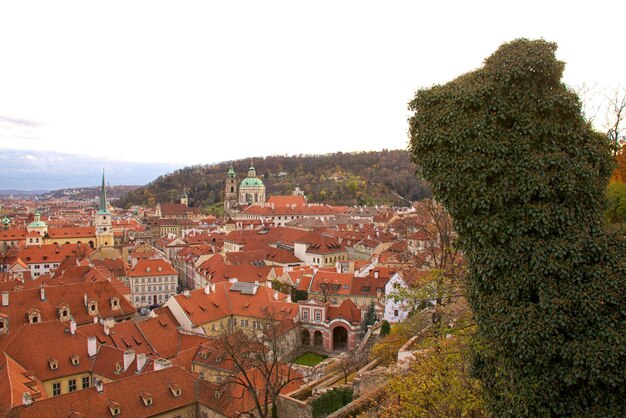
[
  {"x": 395, "y": 312},
  {"x": 365, "y": 289},
  {"x": 56, "y": 389},
  {"x": 318, "y": 315},
  {"x": 85, "y": 382},
  {"x": 305, "y": 314},
  {"x": 71, "y": 385}
]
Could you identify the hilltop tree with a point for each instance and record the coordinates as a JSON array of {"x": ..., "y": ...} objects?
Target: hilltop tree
[{"x": 508, "y": 152}]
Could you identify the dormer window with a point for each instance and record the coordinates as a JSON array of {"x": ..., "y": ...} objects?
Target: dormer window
[
  {"x": 175, "y": 389},
  {"x": 218, "y": 394},
  {"x": 92, "y": 308},
  {"x": 119, "y": 367},
  {"x": 34, "y": 316},
  {"x": 115, "y": 303},
  {"x": 146, "y": 398},
  {"x": 53, "y": 363},
  {"x": 114, "y": 408},
  {"x": 75, "y": 360},
  {"x": 159, "y": 268},
  {"x": 148, "y": 269},
  {"x": 64, "y": 313}
]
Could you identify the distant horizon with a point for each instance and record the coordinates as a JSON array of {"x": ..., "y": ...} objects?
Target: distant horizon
[{"x": 29, "y": 170}]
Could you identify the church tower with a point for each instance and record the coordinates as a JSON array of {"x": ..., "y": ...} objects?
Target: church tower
[
  {"x": 184, "y": 200},
  {"x": 104, "y": 223},
  {"x": 230, "y": 191},
  {"x": 251, "y": 189}
]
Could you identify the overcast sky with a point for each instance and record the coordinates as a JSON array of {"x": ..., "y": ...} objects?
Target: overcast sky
[{"x": 189, "y": 82}]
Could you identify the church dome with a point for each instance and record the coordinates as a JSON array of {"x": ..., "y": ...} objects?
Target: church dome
[
  {"x": 251, "y": 182},
  {"x": 37, "y": 223}
]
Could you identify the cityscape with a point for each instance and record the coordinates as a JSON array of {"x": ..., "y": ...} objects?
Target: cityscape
[{"x": 288, "y": 210}]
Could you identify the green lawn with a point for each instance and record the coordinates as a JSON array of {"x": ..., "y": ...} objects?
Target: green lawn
[{"x": 309, "y": 359}]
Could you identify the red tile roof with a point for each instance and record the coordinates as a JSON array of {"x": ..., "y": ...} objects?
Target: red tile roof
[
  {"x": 125, "y": 393},
  {"x": 152, "y": 267},
  {"x": 201, "y": 308},
  {"x": 73, "y": 296},
  {"x": 33, "y": 345}
]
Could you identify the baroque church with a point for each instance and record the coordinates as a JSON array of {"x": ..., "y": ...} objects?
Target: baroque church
[{"x": 251, "y": 190}]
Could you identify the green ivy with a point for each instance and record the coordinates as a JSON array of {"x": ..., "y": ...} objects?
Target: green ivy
[
  {"x": 507, "y": 151},
  {"x": 331, "y": 401}
]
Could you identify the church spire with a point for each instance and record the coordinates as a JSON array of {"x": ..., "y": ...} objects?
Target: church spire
[{"x": 103, "y": 197}]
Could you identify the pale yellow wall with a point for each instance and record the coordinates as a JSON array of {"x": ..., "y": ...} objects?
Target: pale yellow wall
[
  {"x": 47, "y": 385},
  {"x": 63, "y": 240}
]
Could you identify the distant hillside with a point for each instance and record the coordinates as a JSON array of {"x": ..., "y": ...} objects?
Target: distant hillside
[
  {"x": 364, "y": 178},
  {"x": 21, "y": 192},
  {"x": 88, "y": 193}
]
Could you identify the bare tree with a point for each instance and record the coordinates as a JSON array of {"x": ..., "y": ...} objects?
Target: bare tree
[
  {"x": 605, "y": 108},
  {"x": 614, "y": 119},
  {"x": 259, "y": 353},
  {"x": 350, "y": 362},
  {"x": 326, "y": 289}
]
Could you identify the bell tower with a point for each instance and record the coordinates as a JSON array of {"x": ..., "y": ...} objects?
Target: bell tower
[
  {"x": 230, "y": 191},
  {"x": 104, "y": 221}
]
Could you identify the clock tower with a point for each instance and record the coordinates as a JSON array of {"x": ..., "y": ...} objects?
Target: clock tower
[{"x": 104, "y": 221}]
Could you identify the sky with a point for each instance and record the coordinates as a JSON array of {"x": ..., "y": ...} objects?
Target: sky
[{"x": 175, "y": 83}]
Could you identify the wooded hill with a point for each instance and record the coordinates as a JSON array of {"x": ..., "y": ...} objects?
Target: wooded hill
[{"x": 362, "y": 178}]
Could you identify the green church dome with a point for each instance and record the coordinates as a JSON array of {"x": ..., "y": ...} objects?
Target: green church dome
[
  {"x": 251, "y": 182},
  {"x": 6, "y": 220},
  {"x": 37, "y": 223}
]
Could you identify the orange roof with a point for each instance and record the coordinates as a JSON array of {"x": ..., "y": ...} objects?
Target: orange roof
[
  {"x": 123, "y": 335},
  {"x": 286, "y": 201},
  {"x": 73, "y": 232},
  {"x": 13, "y": 234},
  {"x": 53, "y": 253},
  {"x": 34, "y": 345},
  {"x": 201, "y": 308},
  {"x": 124, "y": 393},
  {"x": 152, "y": 267},
  {"x": 72, "y": 295},
  {"x": 16, "y": 381},
  {"x": 347, "y": 310}
]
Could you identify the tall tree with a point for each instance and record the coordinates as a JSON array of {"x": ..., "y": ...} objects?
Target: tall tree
[
  {"x": 259, "y": 354},
  {"x": 507, "y": 151}
]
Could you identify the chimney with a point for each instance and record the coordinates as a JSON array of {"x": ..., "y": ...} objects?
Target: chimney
[
  {"x": 289, "y": 298},
  {"x": 107, "y": 330},
  {"x": 129, "y": 356},
  {"x": 268, "y": 284},
  {"x": 99, "y": 384},
  {"x": 141, "y": 361},
  {"x": 5, "y": 298},
  {"x": 27, "y": 399},
  {"x": 42, "y": 292},
  {"x": 85, "y": 298},
  {"x": 72, "y": 327},
  {"x": 376, "y": 274},
  {"x": 207, "y": 289},
  {"x": 275, "y": 294},
  {"x": 186, "y": 293},
  {"x": 213, "y": 287},
  {"x": 161, "y": 364},
  {"x": 92, "y": 346}
]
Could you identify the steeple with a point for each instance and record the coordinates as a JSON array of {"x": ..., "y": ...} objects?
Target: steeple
[{"x": 103, "y": 197}]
